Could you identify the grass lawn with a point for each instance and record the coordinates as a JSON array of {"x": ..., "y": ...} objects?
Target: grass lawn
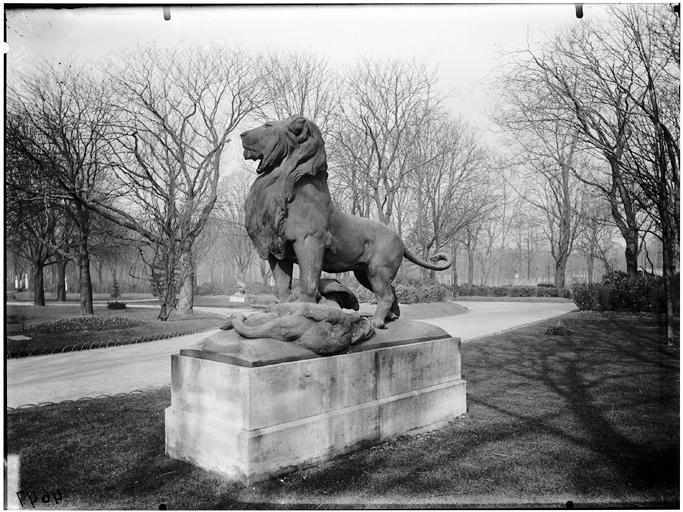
[
  {"x": 30, "y": 319},
  {"x": 591, "y": 418}
]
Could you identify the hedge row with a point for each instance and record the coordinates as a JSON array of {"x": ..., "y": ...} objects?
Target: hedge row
[
  {"x": 510, "y": 291},
  {"x": 619, "y": 291},
  {"x": 407, "y": 293}
]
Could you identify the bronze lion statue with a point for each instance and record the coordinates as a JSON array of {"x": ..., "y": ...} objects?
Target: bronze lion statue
[{"x": 291, "y": 219}]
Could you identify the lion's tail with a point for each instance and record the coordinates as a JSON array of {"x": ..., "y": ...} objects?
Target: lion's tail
[{"x": 437, "y": 257}]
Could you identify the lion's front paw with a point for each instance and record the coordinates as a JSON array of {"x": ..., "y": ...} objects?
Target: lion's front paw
[{"x": 378, "y": 324}]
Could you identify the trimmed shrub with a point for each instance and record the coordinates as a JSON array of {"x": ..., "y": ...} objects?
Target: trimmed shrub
[
  {"x": 545, "y": 291},
  {"x": 85, "y": 323},
  {"x": 406, "y": 294},
  {"x": 116, "y": 305},
  {"x": 258, "y": 288},
  {"x": 429, "y": 291},
  {"x": 586, "y": 295},
  {"x": 209, "y": 289},
  {"x": 511, "y": 291},
  {"x": 621, "y": 292}
]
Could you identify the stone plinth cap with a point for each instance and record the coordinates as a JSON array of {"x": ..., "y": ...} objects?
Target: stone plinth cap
[{"x": 230, "y": 347}]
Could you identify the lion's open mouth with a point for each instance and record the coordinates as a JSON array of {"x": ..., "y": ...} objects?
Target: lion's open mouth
[{"x": 251, "y": 154}]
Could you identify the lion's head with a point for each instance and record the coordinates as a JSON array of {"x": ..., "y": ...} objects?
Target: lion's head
[{"x": 293, "y": 143}]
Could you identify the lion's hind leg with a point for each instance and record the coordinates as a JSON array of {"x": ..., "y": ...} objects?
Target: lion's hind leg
[
  {"x": 394, "y": 311},
  {"x": 381, "y": 280}
]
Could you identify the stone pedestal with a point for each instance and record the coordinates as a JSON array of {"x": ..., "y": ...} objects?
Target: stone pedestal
[{"x": 251, "y": 409}]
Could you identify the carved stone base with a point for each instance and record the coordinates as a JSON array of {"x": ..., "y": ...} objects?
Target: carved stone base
[{"x": 259, "y": 408}]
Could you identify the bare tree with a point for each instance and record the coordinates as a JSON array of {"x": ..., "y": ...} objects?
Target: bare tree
[
  {"x": 230, "y": 216},
  {"x": 31, "y": 223},
  {"x": 450, "y": 184},
  {"x": 298, "y": 84},
  {"x": 596, "y": 239},
  {"x": 175, "y": 112},
  {"x": 386, "y": 109},
  {"x": 111, "y": 244},
  {"x": 572, "y": 83},
  {"x": 471, "y": 242},
  {"x": 498, "y": 225},
  {"x": 549, "y": 152},
  {"x": 349, "y": 167},
  {"x": 647, "y": 44},
  {"x": 64, "y": 131}
]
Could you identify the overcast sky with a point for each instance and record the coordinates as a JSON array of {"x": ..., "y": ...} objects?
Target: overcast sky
[{"x": 468, "y": 43}]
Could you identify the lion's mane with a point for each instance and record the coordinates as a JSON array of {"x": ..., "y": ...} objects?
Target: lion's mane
[{"x": 291, "y": 153}]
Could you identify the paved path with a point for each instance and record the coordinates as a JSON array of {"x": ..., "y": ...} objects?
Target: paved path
[
  {"x": 486, "y": 318},
  {"x": 69, "y": 376}
]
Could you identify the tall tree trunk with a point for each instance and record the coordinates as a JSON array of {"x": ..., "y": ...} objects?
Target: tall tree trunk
[
  {"x": 100, "y": 283},
  {"x": 670, "y": 291},
  {"x": 560, "y": 270},
  {"x": 591, "y": 265},
  {"x": 454, "y": 270},
  {"x": 627, "y": 224},
  {"x": 38, "y": 287},
  {"x": 61, "y": 280},
  {"x": 84, "y": 279},
  {"x": 669, "y": 244},
  {"x": 631, "y": 252},
  {"x": 168, "y": 289},
  {"x": 470, "y": 267},
  {"x": 115, "y": 286},
  {"x": 529, "y": 257},
  {"x": 164, "y": 312},
  {"x": 186, "y": 294}
]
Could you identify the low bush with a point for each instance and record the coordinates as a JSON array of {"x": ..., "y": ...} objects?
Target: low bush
[
  {"x": 428, "y": 291},
  {"x": 510, "y": 291},
  {"x": 620, "y": 292},
  {"x": 116, "y": 305},
  {"x": 406, "y": 294},
  {"x": 586, "y": 295},
  {"x": 209, "y": 289},
  {"x": 431, "y": 292},
  {"x": 85, "y": 323},
  {"x": 257, "y": 288}
]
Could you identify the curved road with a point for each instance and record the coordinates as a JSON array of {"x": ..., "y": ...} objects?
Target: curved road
[{"x": 69, "y": 376}]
